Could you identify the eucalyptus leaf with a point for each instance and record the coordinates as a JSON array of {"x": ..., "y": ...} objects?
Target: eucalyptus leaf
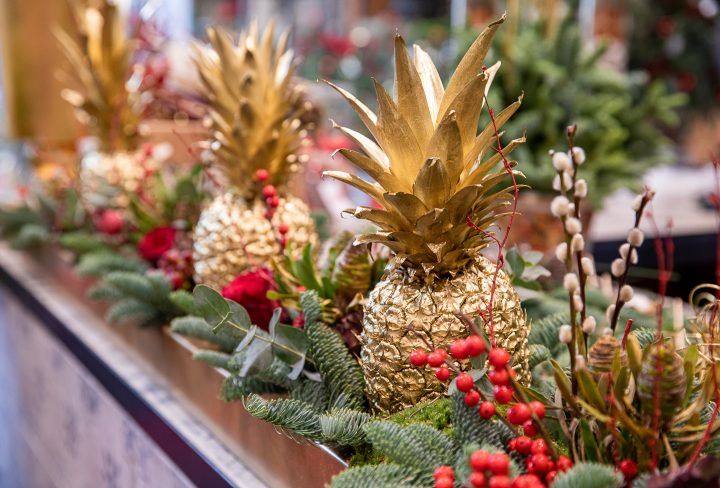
[
  {"x": 256, "y": 357},
  {"x": 211, "y": 306}
]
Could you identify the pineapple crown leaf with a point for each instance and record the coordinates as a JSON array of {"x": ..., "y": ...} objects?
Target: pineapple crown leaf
[
  {"x": 255, "y": 109},
  {"x": 106, "y": 92},
  {"x": 431, "y": 168}
]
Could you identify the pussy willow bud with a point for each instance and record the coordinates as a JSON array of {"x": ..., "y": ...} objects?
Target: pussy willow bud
[
  {"x": 617, "y": 268},
  {"x": 588, "y": 266},
  {"x": 561, "y": 251},
  {"x": 581, "y": 188},
  {"x": 577, "y": 302},
  {"x": 567, "y": 179},
  {"x": 624, "y": 249},
  {"x": 610, "y": 312},
  {"x": 636, "y": 237},
  {"x": 565, "y": 334},
  {"x": 571, "y": 282},
  {"x": 607, "y": 330},
  {"x": 580, "y": 362},
  {"x": 559, "y": 206},
  {"x": 556, "y": 183},
  {"x": 626, "y": 293},
  {"x": 578, "y": 155},
  {"x": 561, "y": 161},
  {"x": 577, "y": 243},
  {"x": 589, "y": 324},
  {"x": 573, "y": 226},
  {"x": 637, "y": 202}
]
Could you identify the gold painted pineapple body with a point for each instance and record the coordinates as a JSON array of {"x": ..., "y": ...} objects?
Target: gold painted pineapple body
[
  {"x": 233, "y": 236},
  {"x": 399, "y": 303},
  {"x": 108, "y": 180}
]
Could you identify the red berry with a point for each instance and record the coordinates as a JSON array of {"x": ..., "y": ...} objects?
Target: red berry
[
  {"x": 444, "y": 472},
  {"x": 273, "y": 202},
  {"x": 442, "y": 373},
  {"x": 472, "y": 398},
  {"x": 458, "y": 349},
  {"x": 487, "y": 409},
  {"x": 523, "y": 444},
  {"x": 512, "y": 445},
  {"x": 550, "y": 477},
  {"x": 475, "y": 345},
  {"x": 269, "y": 191},
  {"x": 499, "y": 376},
  {"x": 418, "y": 358},
  {"x": 435, "y": 359},
  {"x": 262, "y": 175},
  {"x": 539, "y": 447},
  {"x": 538, "y": 408},
  {"x": 500, "y": 482},
  {"x": 564, "y": 463},
  {"x": 527, "y": 481},
  {"x": 269, "y": 214},
  {"x": 464, "y": 382},
  {"x": 444, "y": 482},
  {"x": 479, "y": 460},
  {"x": 502, "y": 394},
  {"x": 477, "y": 480},
  {"x": 498, "y": 357},
  {"x": 283, "y": 229},
  {"x": 519, "y": 414},
  {"x": 499, "y": 463},
  {"x": 629, "y": 469},
  {"x": 541, "y": 463},
  {"x": 283, "y": 242},
  {"x": 530, "y": 429}
]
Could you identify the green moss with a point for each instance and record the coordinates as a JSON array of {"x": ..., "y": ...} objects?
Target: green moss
[
  {"x": 435, "y": 413},
  {"x": 365, "y": 455}
]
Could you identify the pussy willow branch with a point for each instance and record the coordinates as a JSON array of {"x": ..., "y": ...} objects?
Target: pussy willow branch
[
  {"x": 573, "y": 345},
  {"x": 571, "y": 131},
  {"x": 647, "y": 196}
]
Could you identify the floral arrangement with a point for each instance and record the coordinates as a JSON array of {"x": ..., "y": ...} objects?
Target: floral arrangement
[{"x": 408, "y": 349}]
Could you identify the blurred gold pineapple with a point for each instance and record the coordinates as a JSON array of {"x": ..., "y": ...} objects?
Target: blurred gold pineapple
[
  {"x": 431, "y": 172},
  {"x": 108, "y": 98},
  {"x": 256, "y": 117}
]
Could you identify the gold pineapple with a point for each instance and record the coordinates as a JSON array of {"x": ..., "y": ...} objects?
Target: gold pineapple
[
  {"x": 109, "y": 99},
  {"x": 256, "y": 116},
  {"x": 431, "y": 173}
]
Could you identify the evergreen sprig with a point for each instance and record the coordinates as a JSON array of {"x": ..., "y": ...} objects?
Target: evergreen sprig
[
  {"x": 339, "y": 370},
  {"x": 287, "y": 413},
  {"x": 382, "y": 476}
]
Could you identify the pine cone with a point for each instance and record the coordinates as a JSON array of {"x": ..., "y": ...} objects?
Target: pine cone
[
  {"x": 672, "y": 380},
  {"x": 350, "y": 327},
  {"x": 601, "y": 354}
]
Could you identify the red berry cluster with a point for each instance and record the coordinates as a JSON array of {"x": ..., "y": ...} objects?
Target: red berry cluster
[
  {"x": 272, "y": 201},
  {"x": 178, "y": 267},
  {"x": 460, "y": 349},
  {"x": 538, "y": 462},
  {"x": 629, "y": 469}
]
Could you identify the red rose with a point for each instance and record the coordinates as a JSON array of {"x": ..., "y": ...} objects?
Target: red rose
[
  {"x": 156, "y": 243},
  {"x": 110, "y": 221},
  {"x": 250, "y": 290}
]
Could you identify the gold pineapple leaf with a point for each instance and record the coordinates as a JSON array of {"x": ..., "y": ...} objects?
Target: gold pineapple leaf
[
  {"x": 255, "y": 107},
  {"x": 99, "y": 53},
  {"x": 431, "y": 168}
]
